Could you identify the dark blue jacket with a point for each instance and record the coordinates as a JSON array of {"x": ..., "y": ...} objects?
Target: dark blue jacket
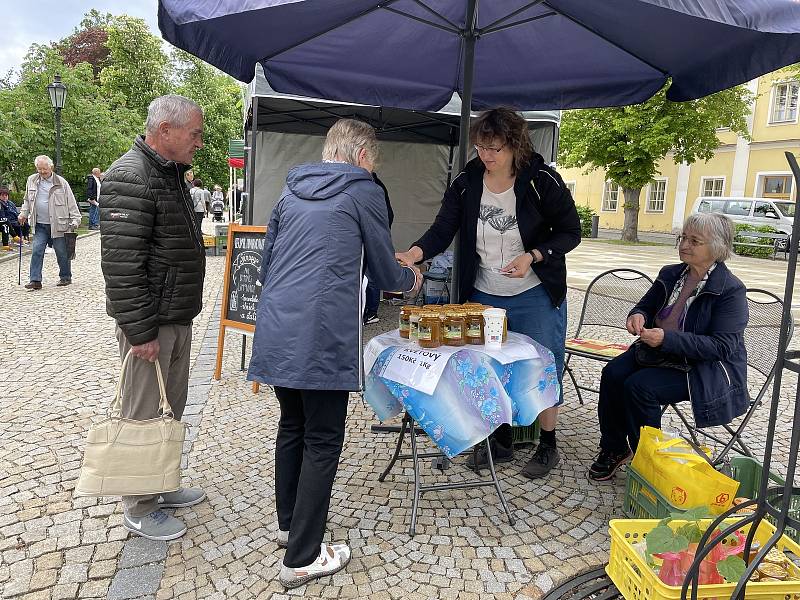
[
  {"x": 712, "y": 342},
  {"x": 8, "y": 210},
  {"x": 330, "y": 223}
]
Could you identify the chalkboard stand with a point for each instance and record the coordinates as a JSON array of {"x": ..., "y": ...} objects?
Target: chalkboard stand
[{"x": 226, "y": 321}]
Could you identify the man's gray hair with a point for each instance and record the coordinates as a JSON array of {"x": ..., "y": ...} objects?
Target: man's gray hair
[
  {"x": 346, "y": 138},
  {"x": 173, "y": 109},
  {"x": 43, "y": 158},
  {"x": 719, "y": 232}
]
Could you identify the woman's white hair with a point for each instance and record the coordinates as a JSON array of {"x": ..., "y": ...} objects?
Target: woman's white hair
[
  {"x": 43, "y": 158},
  {"x": 717, "y": 228},
  {"x": 346, "y": 138},
  {"x": 173, "y": 109}
]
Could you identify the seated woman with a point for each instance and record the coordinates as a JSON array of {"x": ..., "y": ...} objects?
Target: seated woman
[{"x": 692, "y": 318}]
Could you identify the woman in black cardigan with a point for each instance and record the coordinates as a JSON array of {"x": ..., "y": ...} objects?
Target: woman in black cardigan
[{"x": 516, "y": 220}]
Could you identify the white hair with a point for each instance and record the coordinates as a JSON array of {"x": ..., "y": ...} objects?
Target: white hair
[
  {"x": 346, "y": 138},
  {"x": 718, "y": 228},
  {"x": 173, "y": 109},
  {"x": 43, "y": 158}
]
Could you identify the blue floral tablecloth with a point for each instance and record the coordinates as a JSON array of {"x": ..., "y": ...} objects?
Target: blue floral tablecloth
[{"x": 474, "y": 395}]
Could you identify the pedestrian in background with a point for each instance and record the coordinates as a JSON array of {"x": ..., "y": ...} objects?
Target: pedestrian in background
[
  {"x": 50, "y": 207},
  {"x": 198, "y": 199},
  {"x": 93, "y": 196},
  {"x": 154, "y": 265}
]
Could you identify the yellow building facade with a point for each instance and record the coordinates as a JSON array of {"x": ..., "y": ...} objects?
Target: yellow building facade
[{"x": 755, "y": 168}]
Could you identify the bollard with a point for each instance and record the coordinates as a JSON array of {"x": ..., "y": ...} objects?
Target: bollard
[{"x": 595, "y": 225}]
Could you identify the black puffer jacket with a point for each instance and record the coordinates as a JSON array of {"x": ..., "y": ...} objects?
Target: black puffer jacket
[{"x": 152, "y": 254}]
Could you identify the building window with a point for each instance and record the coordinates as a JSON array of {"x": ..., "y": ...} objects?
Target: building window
[
  {"x": 713, "y": 186},
  {"x": 776, "y": 186},
  {"x": 610, "y": 197},
  {"x": 656, "y": 196},
  {"x": 571, "y": 187},
  {"x": 784, "y": 103}
]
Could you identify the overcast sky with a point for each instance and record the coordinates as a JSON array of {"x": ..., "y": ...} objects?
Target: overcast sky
[{"x": 26, "y": 22}]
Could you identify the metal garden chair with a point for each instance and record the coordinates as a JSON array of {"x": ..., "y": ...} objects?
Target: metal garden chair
[{"x": 608, "y": 300}]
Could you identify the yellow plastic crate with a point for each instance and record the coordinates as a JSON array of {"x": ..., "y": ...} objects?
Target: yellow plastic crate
[{"x": 636, "y": 580}]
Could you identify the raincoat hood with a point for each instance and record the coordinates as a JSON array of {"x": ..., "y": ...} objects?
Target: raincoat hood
[{"x": 324, "y": 180}]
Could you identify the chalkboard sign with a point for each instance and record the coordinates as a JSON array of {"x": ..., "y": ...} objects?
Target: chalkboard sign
[
  {"x": 245, "y": 249},
  {"x": 241, "y": 290}
]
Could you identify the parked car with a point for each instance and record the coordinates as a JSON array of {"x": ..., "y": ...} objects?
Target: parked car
[{"x": 750, "y": 211}]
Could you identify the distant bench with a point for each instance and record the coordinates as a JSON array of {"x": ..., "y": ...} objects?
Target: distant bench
[{"x": 779, "y": 242}]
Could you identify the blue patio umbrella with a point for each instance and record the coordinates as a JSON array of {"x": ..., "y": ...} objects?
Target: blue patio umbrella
[{"x": 529, "y": 54}]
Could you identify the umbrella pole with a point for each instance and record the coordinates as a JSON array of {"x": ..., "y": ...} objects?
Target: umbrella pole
[{"x": 463, "y": 137}]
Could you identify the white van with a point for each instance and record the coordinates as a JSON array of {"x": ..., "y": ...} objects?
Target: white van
[{"x": 751, "y": 211}]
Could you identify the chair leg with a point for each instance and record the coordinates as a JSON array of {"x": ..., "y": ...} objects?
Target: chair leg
[{"x": 574, "y": 382}]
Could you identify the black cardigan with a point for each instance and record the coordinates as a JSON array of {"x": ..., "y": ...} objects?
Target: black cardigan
[{"x": 546, "y": 217}]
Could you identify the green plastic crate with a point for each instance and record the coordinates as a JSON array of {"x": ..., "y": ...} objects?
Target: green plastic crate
[
  {"x": 643, "y": 501},
  {"x": 774, "y": 498},
  {"x": 525, "y": 434}
]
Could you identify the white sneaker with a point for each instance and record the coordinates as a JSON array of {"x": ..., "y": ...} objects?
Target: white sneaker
[
  {"x": 282, "y": 538},
  {"x": 331, "y": 559}
]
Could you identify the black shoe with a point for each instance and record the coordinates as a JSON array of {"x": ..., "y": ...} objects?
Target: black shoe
[
  {"x": 607, "y": 463},
  {"x": 371, "y": 318},
  {"x": 33, "y": 285},
  {"x": 542, "y": 462},
  {"x": 64, "y": 282},
  {"x": 500, "y": 454}
]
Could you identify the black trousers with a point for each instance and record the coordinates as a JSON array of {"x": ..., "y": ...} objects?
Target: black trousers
[
  {"x": 632, "y": 396},
  {"x": 307, "y": 449}
]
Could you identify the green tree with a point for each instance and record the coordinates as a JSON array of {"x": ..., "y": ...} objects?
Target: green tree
[
  {"x": 221, "y": 99},
  {"x": 138, "y": 69},
  {"x": 628, "y": 142}
]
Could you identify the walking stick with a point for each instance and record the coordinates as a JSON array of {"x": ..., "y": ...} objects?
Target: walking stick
[{"x": 19, "y": 265}]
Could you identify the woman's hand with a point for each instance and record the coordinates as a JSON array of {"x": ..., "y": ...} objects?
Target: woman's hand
[
  {"x": 519, "y": 266},
  {"x": 652, "y": 337},
  {"x": 410, "y": 257},
  {"x": 635, "y": 324}
]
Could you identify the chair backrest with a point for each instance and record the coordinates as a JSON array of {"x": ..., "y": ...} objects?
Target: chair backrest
[
  {"x": 611, "y": 296},
  {"x": 763, "y": 331}
]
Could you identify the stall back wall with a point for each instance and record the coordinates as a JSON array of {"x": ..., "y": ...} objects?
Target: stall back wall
[{"x": 414, "y": 174}]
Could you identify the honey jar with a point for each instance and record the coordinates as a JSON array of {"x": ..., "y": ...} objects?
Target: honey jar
[
  {"x": 413, "y": 322},
  {"x": 474, "y": 326},
  {"x": 404, "y": 325},
  {"x": 429, "y": 334},
  {"x": 454, "y": 328}
]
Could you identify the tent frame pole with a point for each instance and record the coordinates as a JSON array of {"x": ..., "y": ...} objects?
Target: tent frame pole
[
  {"x": 251, "y": 176},
  {"x": 470, "y": 37}
]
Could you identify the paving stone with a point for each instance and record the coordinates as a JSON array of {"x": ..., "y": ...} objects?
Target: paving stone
[
  {"x": 140, "y": 551},
  {"x": 136, "y": 582}
]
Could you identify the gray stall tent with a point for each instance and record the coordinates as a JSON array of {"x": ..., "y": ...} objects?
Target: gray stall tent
[{"x": 418, "y": 150}]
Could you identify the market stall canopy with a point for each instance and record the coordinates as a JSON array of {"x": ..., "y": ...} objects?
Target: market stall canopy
[
  {"x": 527, "y": 54},
  {"x": 285, "y": 113}
]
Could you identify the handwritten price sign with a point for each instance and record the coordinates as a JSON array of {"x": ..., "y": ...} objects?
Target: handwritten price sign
[{"x": 416, "y": 367}]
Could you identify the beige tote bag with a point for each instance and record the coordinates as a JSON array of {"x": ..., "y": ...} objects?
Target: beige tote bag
[{"x": 124, "y": 457}]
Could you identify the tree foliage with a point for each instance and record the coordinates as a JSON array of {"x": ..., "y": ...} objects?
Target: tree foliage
[
  {"x": 113, "y": 67},
  {"x": 628, "y": 142}
]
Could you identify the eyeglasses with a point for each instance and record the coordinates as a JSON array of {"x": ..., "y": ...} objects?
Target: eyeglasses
[
  {"x": 692, "y": 241},
  {"x": 479, "y": 148}
]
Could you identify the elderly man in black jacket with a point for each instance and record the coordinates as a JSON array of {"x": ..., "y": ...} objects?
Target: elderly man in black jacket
[{"x": 153, "y": 262}]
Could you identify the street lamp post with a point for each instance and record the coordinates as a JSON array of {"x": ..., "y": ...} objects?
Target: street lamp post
[{"x": 58, "y": 95}]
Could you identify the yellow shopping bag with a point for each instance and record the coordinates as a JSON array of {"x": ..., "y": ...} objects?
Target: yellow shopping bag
[{"x": 682, "y": 476}]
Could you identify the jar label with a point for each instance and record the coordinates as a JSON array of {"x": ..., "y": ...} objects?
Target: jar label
[
  {"x": 404, "y": 326},
  {"x": 452, "y": 332},
  {"x": 424, "y": 333},
  {"x": 474, "y": 332}
]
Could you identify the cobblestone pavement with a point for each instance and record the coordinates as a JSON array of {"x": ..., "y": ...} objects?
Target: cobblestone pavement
[{"x": 61, "y": 370}]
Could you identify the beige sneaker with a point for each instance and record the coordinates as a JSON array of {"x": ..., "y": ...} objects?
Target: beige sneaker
[{"x": 331, "y": 559}]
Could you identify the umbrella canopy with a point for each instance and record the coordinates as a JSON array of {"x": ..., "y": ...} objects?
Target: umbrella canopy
[{"x": 529, "y": 54}]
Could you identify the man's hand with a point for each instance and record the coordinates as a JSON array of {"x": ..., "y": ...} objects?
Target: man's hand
[
  {"x": 409, "y": 258},
  {"x": 635, "y": 324},
  {"x": 147, "y": 351},
  {"x": 652, "y": 337},
  {"x": 22, "y": 220},
  {"x": 519, "y": 266}
]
